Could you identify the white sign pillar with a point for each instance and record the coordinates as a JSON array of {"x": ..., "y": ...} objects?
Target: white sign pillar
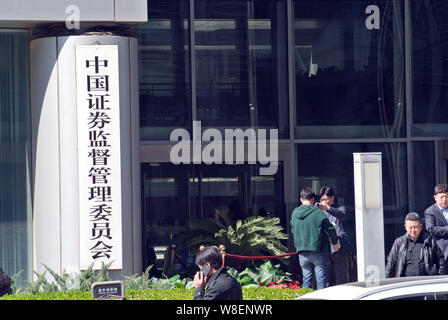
[
  {"x": 86, "y": 161},
  {"x": 368, "y": 185}
]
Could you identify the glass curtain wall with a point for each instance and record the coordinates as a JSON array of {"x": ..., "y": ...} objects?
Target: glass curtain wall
[
  {"x": 429, "y": 21},
  {"x": 176, "y": 194},
  {"x": 424, "y": 175},
  {"x": 241, "y": 64},
  {"x": 333, "y": 82},
  {"x": 165, "y": 92},
  {"x": 331, "y": 164},
  {"x": 349, "y": 79},
  {"x": 15, "y": 174}
]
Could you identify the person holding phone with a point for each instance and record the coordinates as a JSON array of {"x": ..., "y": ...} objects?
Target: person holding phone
[
  {"x": 338, "y": 263},
  {"x": 212, "y": 282}
]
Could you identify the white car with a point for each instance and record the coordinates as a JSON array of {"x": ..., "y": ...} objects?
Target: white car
[{"x": 406, "y": 288}]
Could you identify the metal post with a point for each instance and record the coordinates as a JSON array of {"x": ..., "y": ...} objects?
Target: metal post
[{"x": 369, "y": 216}]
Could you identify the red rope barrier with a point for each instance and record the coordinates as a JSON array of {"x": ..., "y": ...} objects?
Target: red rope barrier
[{"x": 259, "y": 257}]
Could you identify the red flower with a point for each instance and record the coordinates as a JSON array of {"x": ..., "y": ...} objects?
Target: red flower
[{"x": 287, "y": 285}]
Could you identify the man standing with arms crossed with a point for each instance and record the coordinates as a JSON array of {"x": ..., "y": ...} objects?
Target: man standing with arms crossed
[
  {"x": 436, "y": 218},
  {"x": 312, "y": 234}
]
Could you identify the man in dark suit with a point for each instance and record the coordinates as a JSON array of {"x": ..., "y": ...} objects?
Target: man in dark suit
[
  {"x": 216, "y": 283},
  {"x": 436, "y": 217}
]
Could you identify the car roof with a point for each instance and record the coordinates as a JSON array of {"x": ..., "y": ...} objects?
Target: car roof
[{"x": 359, "y": 290}]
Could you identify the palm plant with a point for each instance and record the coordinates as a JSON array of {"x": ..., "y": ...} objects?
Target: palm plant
[
  {"x": 202, "y": 232},
  {"x": 257, "y": 236}
]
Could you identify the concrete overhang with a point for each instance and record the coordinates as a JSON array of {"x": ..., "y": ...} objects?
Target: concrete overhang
[{"x": 33, "y": 13}]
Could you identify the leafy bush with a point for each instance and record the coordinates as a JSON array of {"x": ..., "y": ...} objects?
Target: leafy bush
[
  {"x": 255, "y": 284},
  {"x": 138, "y": 282},
  {"x": 62, "y": 295},
  {"x": 168, "y": 283},
  {"x": 265, "y": 293},
  {"x": 62, "y": 283},
  {"x": 259, "y": 293},
  {"x": 262, "y": 276}
]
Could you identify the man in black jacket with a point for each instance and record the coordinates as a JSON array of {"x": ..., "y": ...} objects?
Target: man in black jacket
[
  {"x": 416, "y": 253},
  {"x": 216, "y": 284},
  {"x": 436, "y": 218},
  {"x": 337, "y": 267}
]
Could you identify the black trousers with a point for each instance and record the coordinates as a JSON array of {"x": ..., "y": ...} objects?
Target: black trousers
[{"x": 338, "y": 268}]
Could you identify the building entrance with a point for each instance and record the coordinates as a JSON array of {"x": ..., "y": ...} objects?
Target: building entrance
[{"x": 172, "y": 195}]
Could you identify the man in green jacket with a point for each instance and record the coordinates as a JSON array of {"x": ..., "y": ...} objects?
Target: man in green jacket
[{"x": 312, "y": 234}]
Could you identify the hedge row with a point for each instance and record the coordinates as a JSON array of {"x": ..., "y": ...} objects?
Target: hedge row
[{"x": 256, "y": 293}]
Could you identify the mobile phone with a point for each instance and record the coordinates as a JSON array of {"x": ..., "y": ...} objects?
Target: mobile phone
[{"x": 205, "y": 270}]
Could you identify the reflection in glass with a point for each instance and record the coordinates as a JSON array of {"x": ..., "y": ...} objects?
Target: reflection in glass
[
  {"x": 424, "y": 175},
  {"x": 429, "y": 67},
  {"x": 174, "y": 194},
  {"x": 349, "y": 79},
  {"x": 15, "y": 157},
  {"x": 241, "y": 64},
  {"x": 332, "y": 165},
  {"x": 164, "y": 69}
]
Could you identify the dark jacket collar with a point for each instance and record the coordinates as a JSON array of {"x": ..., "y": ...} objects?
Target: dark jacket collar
[
  {"x": 215, "y": 275},
  {"x": 425, "y": 236}
]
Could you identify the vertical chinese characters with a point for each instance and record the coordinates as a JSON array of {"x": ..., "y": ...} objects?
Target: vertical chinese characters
[{"x": 99, "y": 146}]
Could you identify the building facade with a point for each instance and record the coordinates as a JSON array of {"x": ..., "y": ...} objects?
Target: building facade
[{"x": 331, "y": 77}]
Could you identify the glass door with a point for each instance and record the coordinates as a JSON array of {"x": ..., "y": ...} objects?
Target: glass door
[{"x": 176, "y": 194}]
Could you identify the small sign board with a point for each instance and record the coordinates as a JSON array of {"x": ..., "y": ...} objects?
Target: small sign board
[{"x": 107, "y": 290}]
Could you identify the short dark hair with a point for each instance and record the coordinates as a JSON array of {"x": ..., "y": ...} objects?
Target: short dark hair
[
  {"x": 307, "y": 194},
  {"x": 327, "y": 191},
  {"x": 209, "y": 255},
  {"x": 413, "y": 216},
  {"x": 440, "y": 188}
]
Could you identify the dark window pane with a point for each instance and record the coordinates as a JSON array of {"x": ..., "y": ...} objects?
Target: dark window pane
[
  {"x": 15, "y": 150},
  {"x": 430, "y": 67},
  {"x": 332, "y": 165},
  {"x": 424, "y": 175},
  {"x": 172, "y": 195},
  {"x": 349, "y": 79},
  {"x": 164, "y": 69},
  {"x": 241, "y": 64}
]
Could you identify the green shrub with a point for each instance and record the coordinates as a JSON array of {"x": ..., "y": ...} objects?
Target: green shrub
[
  {"x": 265, "y": 293},
  {"x": 62, "y": 295},
  {"x": 151, "y": 294},
  {"x": 62, "y": 283},
  {"x": 259, "y": 293},
  {"x": 138, "y": 282},
  {"x": 168, "y": 283},
  {"x": 141, "y": 287},
  {"x": 263, "y": 275}
]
